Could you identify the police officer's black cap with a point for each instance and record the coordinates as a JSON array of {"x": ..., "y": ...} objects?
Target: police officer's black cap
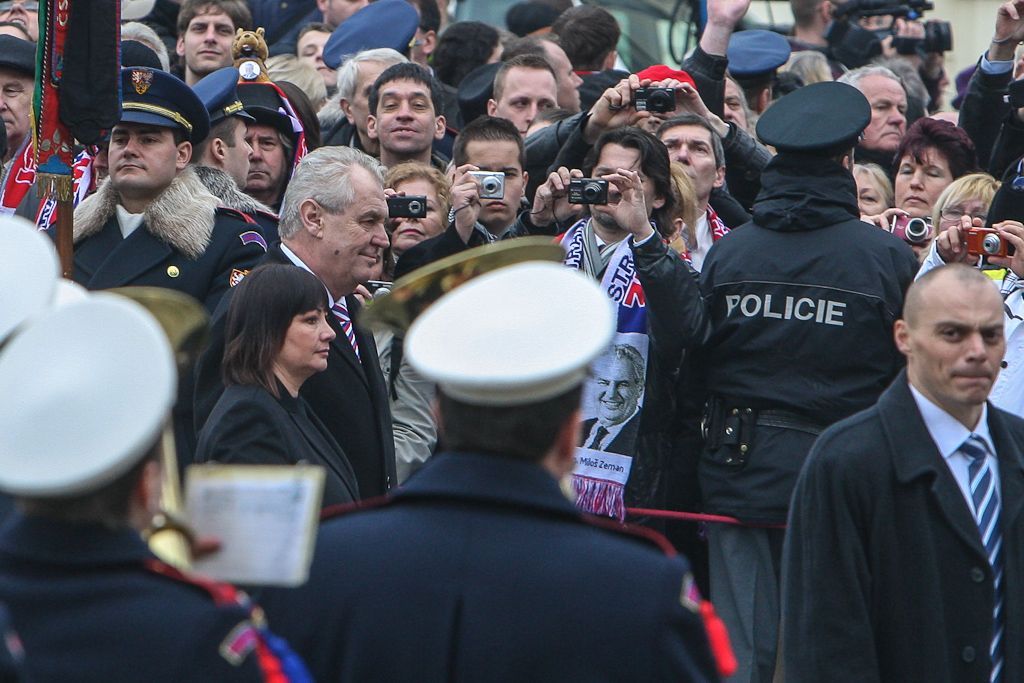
[
  {"x": 156, "y": 97},
  {"x": 18, "y": 55},
  {"x": 264, "y": 105},
  {"x": 819, "y": 118},
  {"x": 219, "y": 93},
  {"x": 475, "y": 89}
]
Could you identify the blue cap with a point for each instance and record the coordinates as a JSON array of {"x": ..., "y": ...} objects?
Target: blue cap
[
  {"x": 160, "y": 99},
  {"x": 818, "y": 118},
  {"x": 385, "y": 23},
  {"x": 219, "y": 93},
  {"x": 756, "y": 54}
]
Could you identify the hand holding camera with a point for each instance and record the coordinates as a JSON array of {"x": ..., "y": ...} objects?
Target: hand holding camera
[
  {"x": 466, "y": 199},
  {"x": 552, "y": 203},
  {"x": 951, "y": 243},
  {"x": 1007, "y": 240},
  {"x": 630, "y": 213}
]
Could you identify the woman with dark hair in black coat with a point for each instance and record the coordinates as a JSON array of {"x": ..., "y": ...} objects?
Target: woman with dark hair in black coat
[{"x": 276, "y": 338}]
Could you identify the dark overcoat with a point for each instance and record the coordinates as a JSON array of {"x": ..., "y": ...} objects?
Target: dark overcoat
[
  {"x": 884, "y": 574},
  {"x": 250, "y": 426},
  {"x": 484, "y": 571}
]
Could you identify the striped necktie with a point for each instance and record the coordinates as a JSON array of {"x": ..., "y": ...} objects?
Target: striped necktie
[
  {"x": 341, "y": 313},
  {"x": 985, "y": 499}
]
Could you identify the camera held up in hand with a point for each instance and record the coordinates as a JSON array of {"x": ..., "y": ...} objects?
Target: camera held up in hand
[
  {"x": 492, "y": 185},
  {"x": 588, "y": 191},
  {"x": 409, "y": 206},
  {"x": 915, "y": 231},
  {"x": 655, "y": 100},
  {"x": 987, "y": 242}
]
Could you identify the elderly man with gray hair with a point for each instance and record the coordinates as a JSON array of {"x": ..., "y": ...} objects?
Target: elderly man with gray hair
[
  {"x": 343, "y": 117},
  {"x": 888, "y": 99},
  {"x": 332, "y": 224}
]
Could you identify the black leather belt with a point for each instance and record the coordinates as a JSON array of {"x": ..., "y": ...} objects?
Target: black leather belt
[{"x": 784, "y": 419}]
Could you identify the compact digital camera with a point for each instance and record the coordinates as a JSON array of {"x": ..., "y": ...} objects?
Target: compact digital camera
[
  {"x": 987, "y": 242},
  {"x": 911, "y": 230},
  {"x": 492, "y": 185},
  {"x": 654, "y": 100},
  {"x": 409, "y": 206},
  {"x": 588, "y": 191}
]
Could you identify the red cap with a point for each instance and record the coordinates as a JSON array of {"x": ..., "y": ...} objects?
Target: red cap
[{"x": 660, "y": 72}]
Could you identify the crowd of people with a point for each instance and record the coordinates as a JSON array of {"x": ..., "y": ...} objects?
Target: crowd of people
[{"x": 794, "y": 319}]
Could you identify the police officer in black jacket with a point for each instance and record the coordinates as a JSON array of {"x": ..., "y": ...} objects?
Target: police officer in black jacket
[{"x": 801, "y": 305}]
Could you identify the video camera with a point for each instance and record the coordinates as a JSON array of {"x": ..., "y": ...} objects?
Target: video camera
[{"x": 855, "y": 46}]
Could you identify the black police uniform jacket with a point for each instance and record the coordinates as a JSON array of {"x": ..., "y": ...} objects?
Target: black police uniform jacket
[
  {"x": 483, "y": 571},
  {"x": 93, "y": 604},
  {"x": 884, "y": 574},
  {"x": 223, "y": 187},
  {"x": 801, "y": 305},
  {"x": 250, "y": 426},
  {"x": 185, "y": 243},
  {"x": 349, "y": 397}
]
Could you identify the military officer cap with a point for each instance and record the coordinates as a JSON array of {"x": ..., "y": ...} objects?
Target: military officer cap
[
  {"x": 551, "y": 321},
  {"x": 820, "y": 118},
  {"x": 219, "y": 93},
  {"x": 156, "y": 97},
  {"x": 18, "y": 55},
  {"x": 89, "y": 386},
  {"x": 29, "y": 271},
  {"x": 755, "y": 54},
  {"x": 385, "y": 23}
]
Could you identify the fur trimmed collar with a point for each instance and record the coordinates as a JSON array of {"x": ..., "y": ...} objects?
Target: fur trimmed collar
[
  {"x": 182, "y": 216},
  {"x": 223, "y": 187}
]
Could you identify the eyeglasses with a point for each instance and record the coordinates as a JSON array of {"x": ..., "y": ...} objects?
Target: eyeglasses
[
  {"x": 8, "y": 5},
  {"x": 956, "y": 214}
]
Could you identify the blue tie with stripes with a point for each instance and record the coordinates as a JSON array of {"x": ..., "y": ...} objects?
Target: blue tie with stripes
[
  {"x": 985, "y": 499},
  {"x": 341, "y": 313}
]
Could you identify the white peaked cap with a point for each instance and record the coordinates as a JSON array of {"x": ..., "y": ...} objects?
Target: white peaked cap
[
  {"x": 85, "y": 389},
  {"x": 517, "y": 335},
  {"x": 29, "y": 271}
]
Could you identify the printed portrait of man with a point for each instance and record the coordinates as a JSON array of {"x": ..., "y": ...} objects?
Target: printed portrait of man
[{"x": 618, "y": 386}]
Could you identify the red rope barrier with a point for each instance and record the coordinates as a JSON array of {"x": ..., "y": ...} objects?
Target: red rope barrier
[{"x": 696, "y": 517}]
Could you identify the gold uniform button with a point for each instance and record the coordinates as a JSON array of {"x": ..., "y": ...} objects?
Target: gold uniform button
[{"x": 172, "y": 271}]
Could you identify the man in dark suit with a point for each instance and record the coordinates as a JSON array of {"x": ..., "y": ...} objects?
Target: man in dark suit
[
  {"x": 479, "y": 564},
  {"x": 904, "y": 555},
  {"x": 333, "y": 226}
]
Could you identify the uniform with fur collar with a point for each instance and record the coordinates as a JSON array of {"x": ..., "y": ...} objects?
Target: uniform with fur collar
[
  {"x": 223, "y": 187},
  {"x": 184, "y": 243}
]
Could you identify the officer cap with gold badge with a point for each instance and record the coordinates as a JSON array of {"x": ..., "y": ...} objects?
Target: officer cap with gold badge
[
  {"x": 514, "y": 336},
  {"x": 819, "y": 119},
  {"x": 87, "y": 387},
  {"x": 219, "y": 93},
  {"x": 29, "y": 271},
  {"x": 160, "y": 99}
]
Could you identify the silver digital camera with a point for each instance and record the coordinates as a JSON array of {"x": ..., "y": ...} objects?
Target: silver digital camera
[{"x": 492, "y": 185}]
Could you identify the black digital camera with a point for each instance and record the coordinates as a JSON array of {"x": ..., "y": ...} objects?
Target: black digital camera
[
  {"x": 655, "y": 100},
  {"x": 588, "y": 191},
  {"x": 409, "y": 206},
  {"x": 492, "y": 185}
]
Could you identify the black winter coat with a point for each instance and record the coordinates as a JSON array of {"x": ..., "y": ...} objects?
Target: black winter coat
[
  {"x": 801, "y": 303},
  {"x": 884, "y": 575}
]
